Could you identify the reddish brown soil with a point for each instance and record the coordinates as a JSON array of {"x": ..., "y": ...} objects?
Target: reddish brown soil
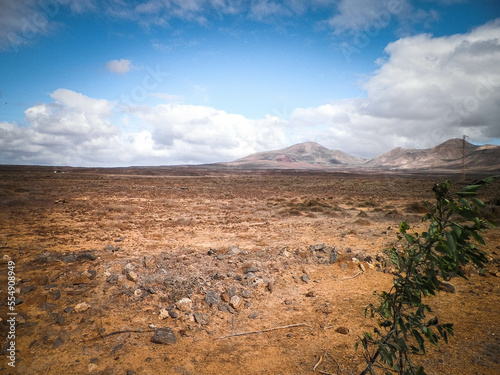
[{"x": 53, "y": 225}]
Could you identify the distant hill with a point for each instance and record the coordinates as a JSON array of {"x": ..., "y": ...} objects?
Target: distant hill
[
  {"x": 307, "y": 155},
  {"x": 446, "y": 157}
]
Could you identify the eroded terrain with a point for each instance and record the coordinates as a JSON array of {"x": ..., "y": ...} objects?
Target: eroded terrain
[{"x": 288, "y": 260}]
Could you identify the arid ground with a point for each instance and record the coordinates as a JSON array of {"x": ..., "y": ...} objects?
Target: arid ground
[{"x": 103, "y": 258}]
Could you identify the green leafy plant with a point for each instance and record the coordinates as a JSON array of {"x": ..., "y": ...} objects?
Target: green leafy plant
[{"x": 422, "y": 263}]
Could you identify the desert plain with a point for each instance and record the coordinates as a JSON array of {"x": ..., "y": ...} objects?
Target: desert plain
[{"x": 251, "y": 272}]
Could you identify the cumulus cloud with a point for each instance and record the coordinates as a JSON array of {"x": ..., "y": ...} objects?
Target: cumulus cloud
[
  {"x": 121, "y": 66},
  {"x": 75, "y": 129},
  {"x": 427, "y": 90}
]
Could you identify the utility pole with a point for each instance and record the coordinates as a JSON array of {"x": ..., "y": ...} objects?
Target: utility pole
[{"x": 463, "y": 157}]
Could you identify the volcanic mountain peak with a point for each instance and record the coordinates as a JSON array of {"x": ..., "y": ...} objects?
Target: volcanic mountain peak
[
  {"x": 446, "y": 156},
  {"x": 305, "y": 148},
  {"x": 299, "y": 156}
]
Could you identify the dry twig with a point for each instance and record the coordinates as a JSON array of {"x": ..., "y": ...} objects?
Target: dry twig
[
  {"x": 317, "y": 363},
  {"x": 264, "y": 330},
  {"x": 352, "y": 277}
]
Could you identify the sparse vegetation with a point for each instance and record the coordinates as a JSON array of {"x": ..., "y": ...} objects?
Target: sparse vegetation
[
  {"x": 422, "y": 264},
  {"x": 131, "y": 247}
]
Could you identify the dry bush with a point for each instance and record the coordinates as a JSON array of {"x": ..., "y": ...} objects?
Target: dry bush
[
  {"x": 310, "y": 206},
  {"x": 369, "y": 203},
  {"x": 419, "y": 207},
  {"x": 111, "y": 208}
]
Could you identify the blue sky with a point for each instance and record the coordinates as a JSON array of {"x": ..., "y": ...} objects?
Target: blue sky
[{"x": 117, "y": 83}]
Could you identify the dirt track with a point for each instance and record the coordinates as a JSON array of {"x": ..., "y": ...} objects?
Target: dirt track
[{"x": 131, "y": 243}]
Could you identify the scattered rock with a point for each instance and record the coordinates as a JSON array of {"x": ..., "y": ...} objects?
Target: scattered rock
[
  {"x": 68, "y": 310},
  {"x": 173, "y": 314},
  {"x": 253, "y": 315},
  {"x": 132, "y": 276},
  {"x": 310, "y": 294},
  {"x": 233, "y": 250},
  {"x": 447, "y": 287},
  {"x": 201, "y": 318},
  {"x": 212, "y": 297},
  {"x": 185, "y": 304},
  {"x": 112, "y": 279},
  {"x": 235, "y": 302},
  {"x": 246, "y": 293},
  {"x": 81, "y": 307},
  {"x": 362, "y": 267},
  {"x": 225, "y": 297},
  {"x": 305, "y": 278},
  {"x": 334, "y": 256},
  {"x": 343, "y": 330},
  {"x": 164, "y": 336}
]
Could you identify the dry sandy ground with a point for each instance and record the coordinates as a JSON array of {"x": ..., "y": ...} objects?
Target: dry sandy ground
[{"x": 100, "y": 255}]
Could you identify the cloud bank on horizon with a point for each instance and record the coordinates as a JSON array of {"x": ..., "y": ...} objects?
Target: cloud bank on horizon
[{"x": 166, "y": 82}]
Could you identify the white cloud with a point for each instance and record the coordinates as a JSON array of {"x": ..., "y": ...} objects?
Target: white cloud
[
  {"x": 121, "y": 66},
  {"x": 81, "y": 131},
  {"x": 426, "y": 91}
]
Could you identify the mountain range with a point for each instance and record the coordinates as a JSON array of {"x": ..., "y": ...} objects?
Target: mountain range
[{"x": 445, "y": 157}]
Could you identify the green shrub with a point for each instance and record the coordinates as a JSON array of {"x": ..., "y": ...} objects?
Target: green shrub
[{"x": 423, "y": 261}]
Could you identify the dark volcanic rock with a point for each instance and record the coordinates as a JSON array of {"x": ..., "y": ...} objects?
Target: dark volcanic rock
[
  {"x": 212, "y": 297},
  {"x": 164, "y": 336}
]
